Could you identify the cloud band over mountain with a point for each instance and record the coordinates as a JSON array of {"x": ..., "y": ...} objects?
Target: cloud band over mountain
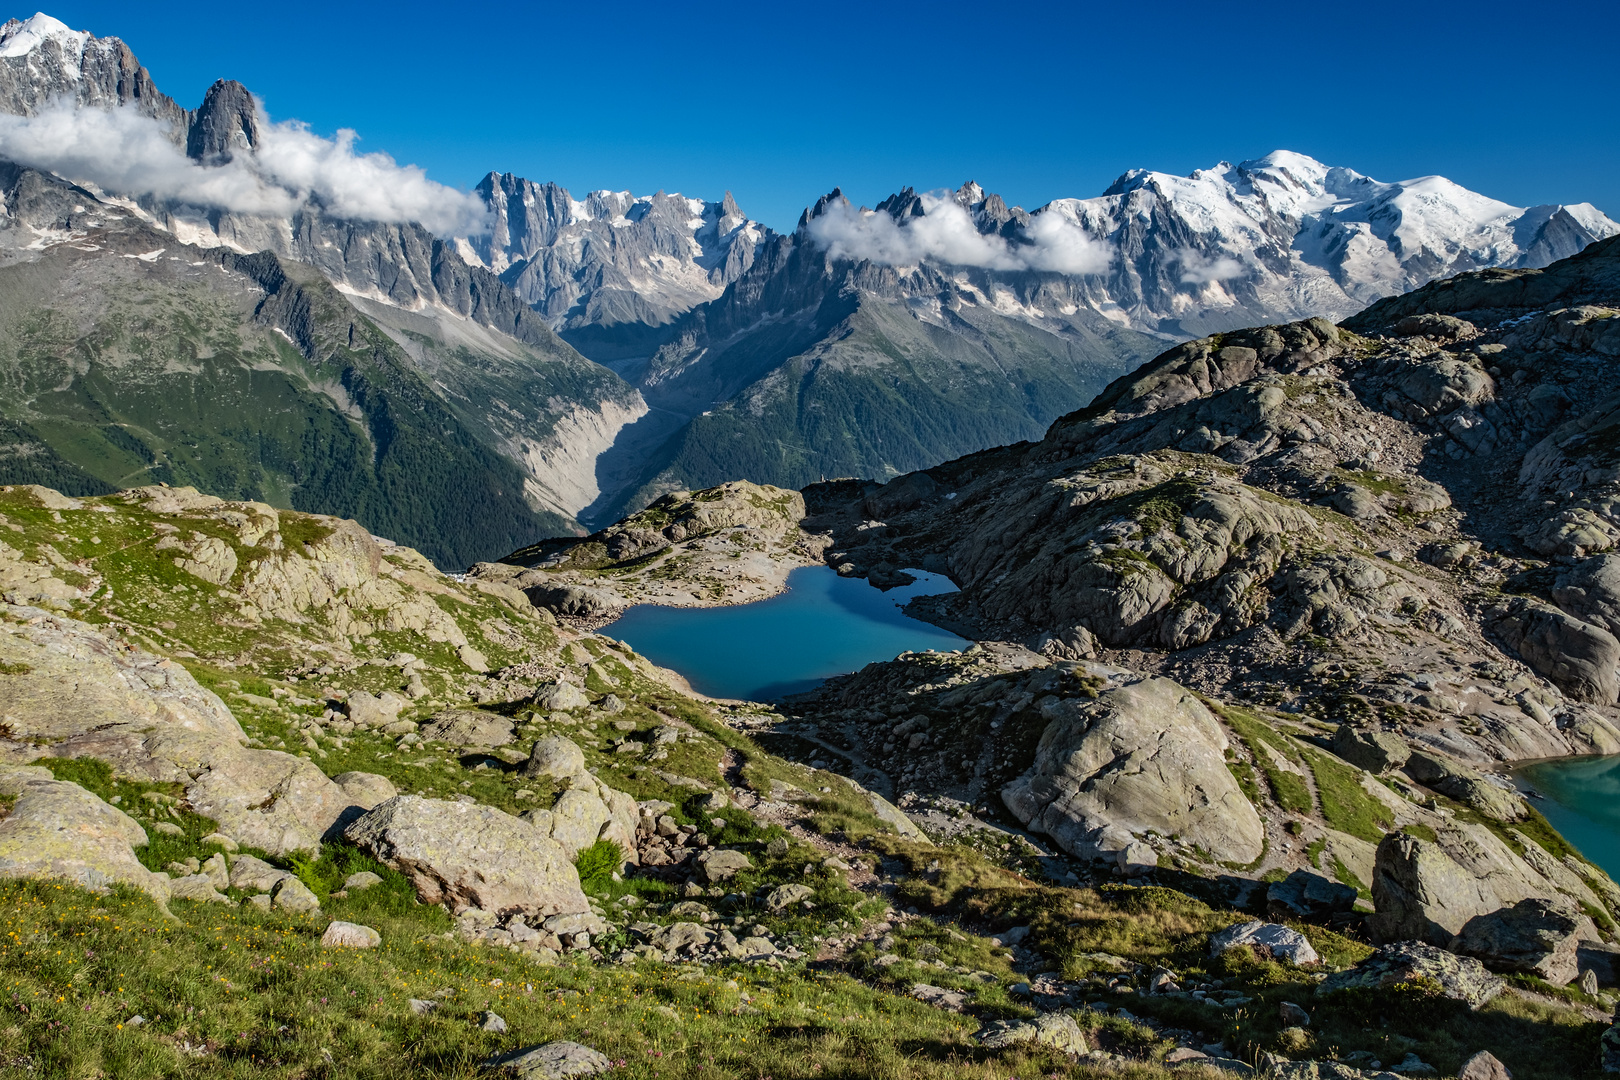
[
  {"x": 946, "y": 233},
  {"x": 125, "y": 152}
]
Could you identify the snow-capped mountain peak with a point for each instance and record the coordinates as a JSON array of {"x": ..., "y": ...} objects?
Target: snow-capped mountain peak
[
  {"x": 1281, "y": 236},
  {"x": 20, "y": 37}
]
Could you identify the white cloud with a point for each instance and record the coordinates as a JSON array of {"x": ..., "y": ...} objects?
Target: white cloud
[
  {"x": 1199, "y": 269},
  {"x": 945, "y": 233},
  {"x": 124, "y": 152}
]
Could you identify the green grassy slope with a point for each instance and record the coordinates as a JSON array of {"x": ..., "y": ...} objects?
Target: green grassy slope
[{"x": 120, "y": 372}]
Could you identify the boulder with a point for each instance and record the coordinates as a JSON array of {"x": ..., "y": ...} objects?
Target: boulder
[
  {"x": 1370, "y": 749},
  {"x": 1304, "y": 895},
  {"x": 1535, "y": 936},
  {"x": 364, "y": 789},
  {"x": 369, "y": 710},
  {"x": 261, "y": 798},
  {"x": 562, "y": 696},
  {"x": 723, "y": 864},
  {"x": 1484, "y": 1066},
  {"x": 58, "y": 830},
  {"x": 1054, "y": 1029},
  {"x": 466, "y": 855},
  {"x": 468, "y": 727},
  {"x": 218, "y": 870},
  {"x": 199, "y": 887},
  {"x": 1602, "y": 960},
  {"x": 1267, "y": 939},
  {"x": 1467, "y": 786},
  {"x": 348, "y": 935},
  {"x": 785, "y": 896},
  {"x": 940, "y": 997},
  {"x": 551, "y": 1061},
  {"x": 681, "y": 935},
  {"x": 255, "y": 875},
  {"x": 1440, "y": 386},
  {"x": 587, "y": 810},
  {"x": 1426, "y": 890},
  {"x": 61, "y": 678},
  {"x": 365, "y": 879},
  {"x": 1142, "y": 758},
  {"x": 1429, "y": 324},
  {"x": 1590, "y": 591},
  {"x": 1460, "y": 978},
  {"x": 290, "y": 894}
]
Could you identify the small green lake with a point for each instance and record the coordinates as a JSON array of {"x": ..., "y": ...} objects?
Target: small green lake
[
  {"x": 822, "y": 626},
  {"x": 1582, "y": 802}
]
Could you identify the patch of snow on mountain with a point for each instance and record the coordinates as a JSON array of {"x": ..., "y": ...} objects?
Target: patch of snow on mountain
[{"x": 21, "y": 38}]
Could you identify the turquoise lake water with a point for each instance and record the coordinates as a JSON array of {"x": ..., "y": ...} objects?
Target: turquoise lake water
[
  {"x": 822, "y": 626},
  {"x": 1582, "y": 802}
]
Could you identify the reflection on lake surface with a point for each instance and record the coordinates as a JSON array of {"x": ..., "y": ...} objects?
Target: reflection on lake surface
[
  {"x": 1582, "y": 802},
  {"x": 822, "y": 626}
]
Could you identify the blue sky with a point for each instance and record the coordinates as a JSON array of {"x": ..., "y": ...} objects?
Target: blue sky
[{"x": 780, "y": 103}]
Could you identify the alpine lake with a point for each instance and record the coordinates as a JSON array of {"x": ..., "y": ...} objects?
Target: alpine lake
[
  {"x": 822, "y": 625},
  {"x": 1581, "y": 798}
]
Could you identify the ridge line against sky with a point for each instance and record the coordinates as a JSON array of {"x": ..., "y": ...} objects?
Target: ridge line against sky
[{"x": 1035, "y": 102}]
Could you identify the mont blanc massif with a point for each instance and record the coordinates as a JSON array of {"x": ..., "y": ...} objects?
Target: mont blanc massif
[{"x": 454, "y": 632}]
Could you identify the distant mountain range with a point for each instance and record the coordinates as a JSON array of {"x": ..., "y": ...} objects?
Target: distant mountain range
[{"x": 588, "y": 355}]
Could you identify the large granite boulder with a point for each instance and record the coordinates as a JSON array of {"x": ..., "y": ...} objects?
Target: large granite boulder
[
  {"x": 1142, "y": 758},
  {"x": 1460, "y": 978},
  {"x": 1535, "y": 936},
  {"x": 364, "y": 789},
  {"x": 58, "y": 830},
  {"x": 1427, "y": 890},
  {"x": 465, "y": 855},
  {"x": 556, "y": 757}
]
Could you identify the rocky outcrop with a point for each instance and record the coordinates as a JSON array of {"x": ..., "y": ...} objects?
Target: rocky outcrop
[
  {"x": 63, "y": 677},
  {"x": 1459, "y": 978},
  {"x": 469, "y": 856},
  {"x": 1370, "y": 749},
  {"x": 1581, "y": 657},
  {"x": 675, "y": 518},
  {"x": 58, "y": 830},
  {"x": 73, "y": 690},
  {"x": 1536, "y": 936},
  {"x": 1145, "y": 758}
]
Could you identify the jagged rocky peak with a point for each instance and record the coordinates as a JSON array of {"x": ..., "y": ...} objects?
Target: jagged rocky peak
[
  {"x": 43, "y": 61},
  {"x": 227, "y": 122},
  {"x": 612, "y": 256}
]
